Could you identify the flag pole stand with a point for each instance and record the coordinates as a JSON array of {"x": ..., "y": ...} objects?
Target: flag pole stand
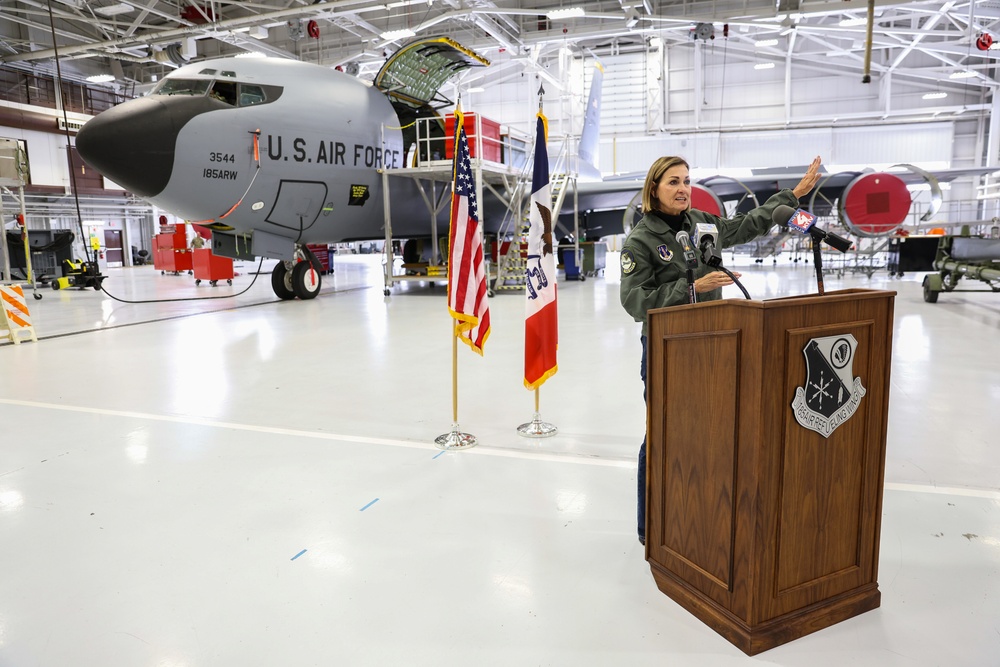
[
  {"x": 455, "y": 439},
  {"x": 536, "y": 428}
]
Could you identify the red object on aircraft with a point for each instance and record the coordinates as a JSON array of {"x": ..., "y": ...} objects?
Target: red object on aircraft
[
  {"x": 705, "y": 200},
  {"x": 202, "y": 231},
  {"x": 875, "y": 204}
]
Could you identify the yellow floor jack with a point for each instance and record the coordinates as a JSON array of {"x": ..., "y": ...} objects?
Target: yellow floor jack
[{"x": 79, "y": 274}]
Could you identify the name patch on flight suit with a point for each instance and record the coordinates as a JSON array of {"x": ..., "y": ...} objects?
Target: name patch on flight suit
[
  {"x": 628, "y": 262},
  {"x": 666, "y": 254}
]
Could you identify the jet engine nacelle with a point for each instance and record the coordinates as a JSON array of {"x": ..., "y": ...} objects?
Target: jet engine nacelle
[{"x": 875, "y": 204}]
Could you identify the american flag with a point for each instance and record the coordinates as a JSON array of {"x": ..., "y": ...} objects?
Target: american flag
[
  {"x": 541, "y": 326},
  {"x": 467, "y": 299}
]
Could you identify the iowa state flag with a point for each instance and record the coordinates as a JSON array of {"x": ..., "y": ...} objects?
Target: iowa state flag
[
  {"x": 541, "y": 324},
  {"x": 467, "y": 299}
]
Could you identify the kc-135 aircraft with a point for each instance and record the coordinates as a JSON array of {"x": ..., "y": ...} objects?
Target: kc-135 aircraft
[{"x": 275, "y": 154}]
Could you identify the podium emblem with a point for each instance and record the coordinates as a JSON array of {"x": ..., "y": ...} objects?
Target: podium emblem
[{"x": 831, "y": 394}]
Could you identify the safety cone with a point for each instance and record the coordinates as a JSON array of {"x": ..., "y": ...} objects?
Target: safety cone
[{"x": 15, "y": 314}]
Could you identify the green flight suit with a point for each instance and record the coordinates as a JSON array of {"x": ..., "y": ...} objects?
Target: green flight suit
[{"x": 653, "y": 270}]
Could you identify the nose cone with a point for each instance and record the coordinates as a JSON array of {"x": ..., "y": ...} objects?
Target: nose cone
[{"x": 133, "y": 144}]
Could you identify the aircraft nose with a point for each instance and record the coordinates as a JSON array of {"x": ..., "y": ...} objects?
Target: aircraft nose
[{"x": 133, "y": 143}]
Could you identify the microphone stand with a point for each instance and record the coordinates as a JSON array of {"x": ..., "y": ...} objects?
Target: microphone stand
[
  {"x": 736, "y": 280},
  {"x": 714, "y": 259},
  {"x": 818, "y": 261},
  {"x": 692, "y": 298}
]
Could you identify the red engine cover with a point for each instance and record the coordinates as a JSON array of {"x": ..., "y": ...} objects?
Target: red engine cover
[
  {"x": 875, "y": 204},
  {"x": 705, "y": 200}
]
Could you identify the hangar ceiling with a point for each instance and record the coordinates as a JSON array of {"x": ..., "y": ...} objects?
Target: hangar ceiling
[{"x": 936, "y": 44}]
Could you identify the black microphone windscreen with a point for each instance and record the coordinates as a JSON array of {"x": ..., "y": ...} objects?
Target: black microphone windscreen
[
  {"x": 782, "y": 214},
  {"x": 838, "y": 242}
]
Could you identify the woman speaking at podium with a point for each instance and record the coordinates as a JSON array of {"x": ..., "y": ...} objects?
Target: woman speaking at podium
[{"x": 655, "y": 263}]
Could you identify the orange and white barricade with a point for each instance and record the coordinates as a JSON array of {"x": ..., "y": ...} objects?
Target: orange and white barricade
[{"x": 15, "y": 314}]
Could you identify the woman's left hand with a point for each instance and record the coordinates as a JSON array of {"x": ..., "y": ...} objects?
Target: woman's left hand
[
  {"x": 713, "y": 281},
  {"x": 808, "y": 181}
]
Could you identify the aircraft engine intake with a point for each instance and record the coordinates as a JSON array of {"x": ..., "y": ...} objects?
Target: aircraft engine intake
[{"x": 875, "y": 204}]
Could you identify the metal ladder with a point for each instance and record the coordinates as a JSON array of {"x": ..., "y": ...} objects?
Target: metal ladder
[{"x": 513, "y": 263}]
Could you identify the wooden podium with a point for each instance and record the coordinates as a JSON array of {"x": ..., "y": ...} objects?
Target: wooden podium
[{"x": 763, "y": 528}]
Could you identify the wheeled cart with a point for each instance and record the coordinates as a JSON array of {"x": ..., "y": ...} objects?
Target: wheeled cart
[
  {"x": 170, "y": 251},
  {"x": 212, "y": 268}
]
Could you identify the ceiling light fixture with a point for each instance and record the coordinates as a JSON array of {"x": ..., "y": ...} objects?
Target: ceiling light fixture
[
  {"x": 764, "y": 66},
  {"x": 393, "y": 35},
  {"x": 935, "y": 96},
  {"x": 962, "y": 75},
  {"x": 114, "y": 10},
  {"x": 850, "y": 23},
  {"x": 565, "y": 13},
  {"x": 101, "y": 78},
  {"x": 632, "y": 18},
  {"x": 766, "y": 42}
]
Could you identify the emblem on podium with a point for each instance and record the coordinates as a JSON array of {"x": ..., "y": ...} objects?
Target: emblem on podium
[{"x": 831, "y": 394}]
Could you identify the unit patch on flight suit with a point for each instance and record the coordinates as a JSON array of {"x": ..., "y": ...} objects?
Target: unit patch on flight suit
[
  {"x": 628, "y": 262},
  {"x": 666, "y": 254}
]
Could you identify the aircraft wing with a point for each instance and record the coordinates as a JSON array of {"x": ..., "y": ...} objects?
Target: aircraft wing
[{"x": 869, "y": 203}]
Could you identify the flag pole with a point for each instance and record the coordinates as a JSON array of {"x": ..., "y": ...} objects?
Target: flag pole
[
  {"x": 455, "y": 439},
  {"x": 454, "y": 378},
  {"x": 536, "y": 428}
]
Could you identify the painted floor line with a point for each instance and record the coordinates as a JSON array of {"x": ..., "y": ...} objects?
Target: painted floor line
[
  {"x": 480, "y": 450},
  {"x": 944, "y": 490},
  {"x": 318, "y": 435}
]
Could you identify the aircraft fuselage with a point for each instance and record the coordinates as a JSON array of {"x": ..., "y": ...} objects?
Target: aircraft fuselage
[{"x": 189, "y": 147}]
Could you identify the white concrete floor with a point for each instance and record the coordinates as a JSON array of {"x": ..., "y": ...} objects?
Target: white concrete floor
[{"x": 251, "y": 482}]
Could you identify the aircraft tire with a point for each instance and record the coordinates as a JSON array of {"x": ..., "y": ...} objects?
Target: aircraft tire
[
  {"x": 306, "y": 280},
  {"x": 281, "y": 287}
]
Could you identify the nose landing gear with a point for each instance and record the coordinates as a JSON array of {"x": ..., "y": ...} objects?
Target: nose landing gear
[{"x": 300, "y": 278}]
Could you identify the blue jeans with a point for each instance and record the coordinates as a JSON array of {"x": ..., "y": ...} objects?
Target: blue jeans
[{"x": 642, "y": 453}]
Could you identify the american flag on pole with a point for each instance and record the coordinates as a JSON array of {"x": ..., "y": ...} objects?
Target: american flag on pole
[
  {"x": 467, "y": 300},
  {"x": 541, "y": 324}
]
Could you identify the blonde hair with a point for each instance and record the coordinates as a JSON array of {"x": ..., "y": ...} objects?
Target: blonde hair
[{"x": 656, "y": 171}]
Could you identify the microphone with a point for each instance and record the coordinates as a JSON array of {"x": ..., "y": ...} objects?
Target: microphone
[
  {"x": 706, "y": 237},
  {"x": 804, "y": 222},
  {"x": 689, "y": 257}
]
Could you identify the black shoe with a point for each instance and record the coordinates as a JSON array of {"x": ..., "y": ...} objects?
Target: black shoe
[{"x": 642, "y": 540}]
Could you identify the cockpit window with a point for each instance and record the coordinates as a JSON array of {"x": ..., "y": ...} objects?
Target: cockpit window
[
  {"x": 192, "y": 87},
  {"x": 207, "y": 72},
  {"x": 224, "y": 91},
  {"x": 230, "y": 92},
  {"x": 228, "y": 73},
  {"x": 250, "y": 95}
]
